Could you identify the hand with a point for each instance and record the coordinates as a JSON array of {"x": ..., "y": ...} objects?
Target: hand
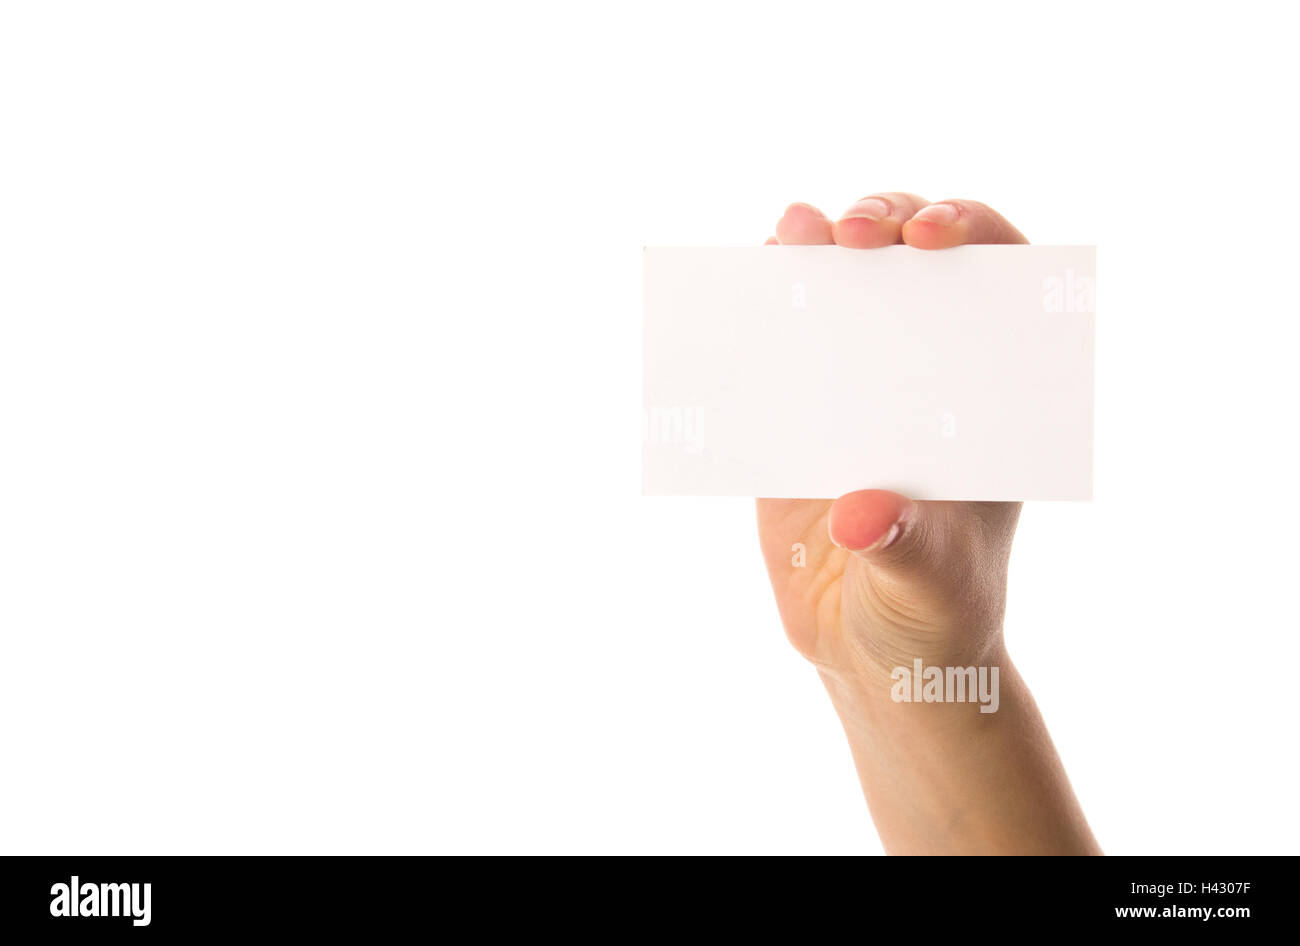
[{"x": 884, "y": 580}]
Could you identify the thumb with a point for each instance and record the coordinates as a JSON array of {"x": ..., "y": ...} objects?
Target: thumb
[
  {"x": 937, "y": 566},
  {"x": 900, "y": 539}
]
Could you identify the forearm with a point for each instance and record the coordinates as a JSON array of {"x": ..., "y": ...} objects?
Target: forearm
[{"x": 944, "y": 778}]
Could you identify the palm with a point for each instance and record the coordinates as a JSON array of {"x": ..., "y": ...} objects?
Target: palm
[{"x": 807, "y": 570}]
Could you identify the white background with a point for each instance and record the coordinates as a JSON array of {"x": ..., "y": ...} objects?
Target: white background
[{"x": 320, "y": 416}]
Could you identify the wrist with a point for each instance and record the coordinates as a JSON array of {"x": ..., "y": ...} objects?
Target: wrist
[
  {"x": 945, "y": 689},
  {"x": 942, "y": 777}
]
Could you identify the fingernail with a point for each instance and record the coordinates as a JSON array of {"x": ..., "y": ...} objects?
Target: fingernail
[
  {"x": 802, "y": 206},
  {"x": 943, "y": 215},
  {"x": 869, "y": 208},
  {"x": 884, "y": 542},
  {"x": 888, "y": 538}
]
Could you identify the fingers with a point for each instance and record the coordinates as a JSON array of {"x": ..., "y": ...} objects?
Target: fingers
[
  {"x": 893, "y": 217},
  {"x": 803, "y": 225},
  {"x": 957, "y": 222},
  {"x": 876, "y": 220}
]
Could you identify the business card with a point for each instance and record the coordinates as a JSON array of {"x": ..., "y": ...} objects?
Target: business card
[{"x": 813, "y": 371}]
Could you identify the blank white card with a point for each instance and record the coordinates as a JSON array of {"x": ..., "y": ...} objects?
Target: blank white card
[{"x": 813, "y": 371}]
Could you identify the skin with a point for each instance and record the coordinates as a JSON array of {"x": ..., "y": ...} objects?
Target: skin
[{"x": 886, "y": 580}]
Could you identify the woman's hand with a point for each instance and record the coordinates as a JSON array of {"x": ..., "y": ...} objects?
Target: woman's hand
[
  {"x": 873, "y": 581},
  {"x": 883, "y": 580}
]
